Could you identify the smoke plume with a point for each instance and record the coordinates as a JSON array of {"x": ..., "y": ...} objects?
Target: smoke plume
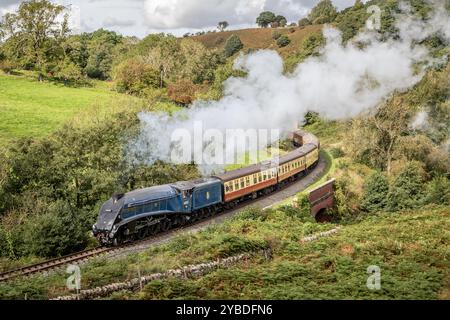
[{"x": 342, "y": 82}]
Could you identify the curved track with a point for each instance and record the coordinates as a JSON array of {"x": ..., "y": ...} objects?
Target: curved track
[{"x": 264, "y": 202}]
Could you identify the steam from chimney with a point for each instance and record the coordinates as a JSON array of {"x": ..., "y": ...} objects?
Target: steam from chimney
[{"x": 341, "y": 83}]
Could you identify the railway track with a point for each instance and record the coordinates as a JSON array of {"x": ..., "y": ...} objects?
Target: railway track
[{"x": 98, "y": 251}]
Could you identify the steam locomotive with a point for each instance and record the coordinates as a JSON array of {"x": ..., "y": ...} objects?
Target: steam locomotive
[{"x": 141, "y": 213}]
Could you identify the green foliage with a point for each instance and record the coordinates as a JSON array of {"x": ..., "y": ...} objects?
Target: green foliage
[
  {"x": 310, "y": 46},
  {"x": 265, "y": 19},
  {"x": 276, "y": 35},
  {"x": 337, "y": 153},
  {"x": 407, "y": 190},
  {"x": 34, "y": 34},
  {"x": 232, "y": 46},
  {"x": 67, "y": 176},
  {"x": 283, "y": 41},
  {"x": 304, "y": 22},
  {"x": 133, "y": 76},
  {"x": 438, "y": 191},
  {"x": 60, "y": 231},
  {"x": 101, "y": 46},
  {"x": 351, "y": 20},
  {"x": 376, "y": 191},
  {"x": 323, "y": 12},
  {"x": 69, "y": 73},
  {"x": 281, "y": 21}
]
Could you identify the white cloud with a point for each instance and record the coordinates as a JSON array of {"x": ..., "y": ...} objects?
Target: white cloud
[{"x": 173, "y": 14}]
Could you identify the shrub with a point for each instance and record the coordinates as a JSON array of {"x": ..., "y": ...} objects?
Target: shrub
[
  {"x": 58, "y": 232},
  {"x": 407, "y": 190},
  {"x": 6, "y": 66},
  {"x": 232, "y": 46},
  {"x": 438, "y": 191},
  {"x": 283, "y": 41},
  {"x": 133, "y": 76},
  {"x": 304, "y": 22},
  {"x": 323, "y": 12},
  {"x": 182, "y": 92},
  {"x": 337, "y": 153},
  {"x": 276, "y": 35},
  {"x": 376, "y": 190}
]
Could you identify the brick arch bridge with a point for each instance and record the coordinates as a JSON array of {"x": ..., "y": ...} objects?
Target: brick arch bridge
[{"x": 322, "y": 199}]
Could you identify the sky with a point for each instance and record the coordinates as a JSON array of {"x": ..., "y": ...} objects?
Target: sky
[{"x": 141, "y": 17}]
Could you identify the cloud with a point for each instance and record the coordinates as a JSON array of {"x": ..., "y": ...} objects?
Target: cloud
[
  {"x": 172, "y": 14},
  {"x": 115, "y": 22}
]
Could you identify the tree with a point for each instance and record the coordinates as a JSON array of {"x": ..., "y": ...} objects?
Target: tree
[
  {"x": 282, "y": 21},
  {"x": 101, "y": 51},
  {"x": 232, "y": 46},
  {"x": 133, "y": 76},
  {"x": 375, "y": 140},
  {"x": 438, "y": 191},
  {"x": 68, "y": 72},
  {"x": 222, "y": 25},
  {"x": 182, "y": 92},
  {"x": 376, "y": 190},
  {"x": 34, "y": 34},
  {"x": 265, "y": 19},
  {"x": 283, "y": 41},
  {"x": 407, "y": 190},
  {"x": 304, "y": 22},
  {"x": 323, "y": 12}
]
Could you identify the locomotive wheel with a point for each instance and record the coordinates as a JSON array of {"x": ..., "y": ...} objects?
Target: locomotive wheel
[
  {"x": 143, "y": 233},
  {"x": 166, "y": 224},
  {"x": 182, "y": 221},
  {"x": 154, "y": 229}
]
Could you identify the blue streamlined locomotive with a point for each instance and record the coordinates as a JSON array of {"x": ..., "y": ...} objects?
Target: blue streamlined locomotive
[{"x": 140, "y": 213}]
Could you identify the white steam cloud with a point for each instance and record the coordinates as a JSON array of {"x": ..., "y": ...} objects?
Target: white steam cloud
[{"x": 341, "y": 83}]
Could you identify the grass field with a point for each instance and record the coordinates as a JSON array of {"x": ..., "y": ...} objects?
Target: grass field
[{"x": 32, "y": 109}]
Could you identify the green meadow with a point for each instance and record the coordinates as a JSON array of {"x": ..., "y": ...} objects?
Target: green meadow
[{"x": 29, "y": 108}]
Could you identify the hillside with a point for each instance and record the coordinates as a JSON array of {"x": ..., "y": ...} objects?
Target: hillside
[
  {"x": 32, "y": 109},
  {"x": 408, "y": 246},
  {"x": 260, "y": 38}
]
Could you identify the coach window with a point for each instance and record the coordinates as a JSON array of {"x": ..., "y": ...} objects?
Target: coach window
[
  {"x": 265, "y": 176},
  {"x": 259, "y": 177},
  {"x": 255, "y": 179},
  {"x": 207, "y": 195},
  {"x": 242, "y": 183},
  {"x": 247, "y": 181},
  {"x": 236, "y": 185}
]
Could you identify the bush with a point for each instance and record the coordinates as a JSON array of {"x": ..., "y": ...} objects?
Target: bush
[
  {"x": 133, "y": 76},
  {"x": 276, "y": 35},
  {"x": 232, "y": 46},
  {"x": 58, "y": 232},
  {"x": 182, "y": 92},
  {"x": 6, "y": 66},
  {"x": 323, "y": 12},
  {"x": 304, "y": 22},
  {"x": 376, "y": 190},
  {"x": 337, "y": 153},
  {"x": 407, "y": 190},
  {"x": 438, "y": 191},
  {"x": 283, "y": 41}
]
